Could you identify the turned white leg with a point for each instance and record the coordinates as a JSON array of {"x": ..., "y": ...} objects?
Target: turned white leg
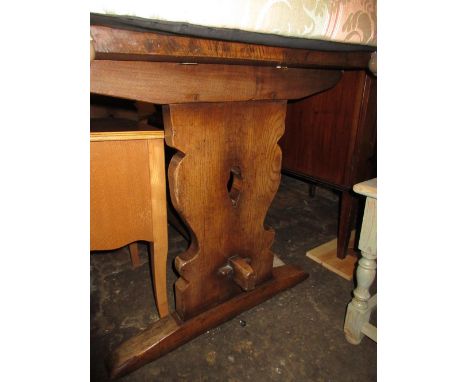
[{"x": 360, "y": 308}]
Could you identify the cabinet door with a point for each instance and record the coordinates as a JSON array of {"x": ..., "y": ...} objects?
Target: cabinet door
[{"x": 322, "y": 134}]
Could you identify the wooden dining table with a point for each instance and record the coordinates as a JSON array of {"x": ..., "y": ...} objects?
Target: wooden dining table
[{"x": 224, "y": 108}]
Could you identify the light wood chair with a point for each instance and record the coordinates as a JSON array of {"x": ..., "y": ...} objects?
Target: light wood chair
[
  {"x": 128, "y": 198},
  {"x": 360, "y": 308}
]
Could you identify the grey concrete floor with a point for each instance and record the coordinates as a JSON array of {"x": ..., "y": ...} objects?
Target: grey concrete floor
[{"x": 295, "y": 336}]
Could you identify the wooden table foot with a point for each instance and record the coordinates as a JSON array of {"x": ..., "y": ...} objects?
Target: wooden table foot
[{"x": 170, "y": 332}]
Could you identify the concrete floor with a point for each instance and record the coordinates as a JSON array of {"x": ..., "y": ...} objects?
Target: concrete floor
[{"x": 295, "y": 336}]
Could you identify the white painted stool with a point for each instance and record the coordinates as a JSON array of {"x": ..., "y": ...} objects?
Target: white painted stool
[{"x": 360, "y": 308}]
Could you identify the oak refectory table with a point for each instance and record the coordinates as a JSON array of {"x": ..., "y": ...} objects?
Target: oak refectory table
[{"x": 224, "y": 107}]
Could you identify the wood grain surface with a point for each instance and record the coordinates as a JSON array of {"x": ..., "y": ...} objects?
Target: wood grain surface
[
  {"x": 164, "y": 83},
  {"x": 100, "y": 136},
  {"x": 237, "y": 135},
  {"x": 128, "y": 199},
  {"x": 159, "y": 242},
  {"x": 321, "y": 131},
  {"x": 119, "y": 44},
  {"x": 120, "y": 194},
  {"x": 330, "y": 138}
]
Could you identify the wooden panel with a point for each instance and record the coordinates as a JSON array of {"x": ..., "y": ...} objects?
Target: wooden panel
[
  {"x": 237, "y": 138},
  {"x": 120, "y": 44},
  {"x": 165, "y": 83},
  {"x": 125, "y": 135},
  {"x": 120, "y": 194},
  {"x": 364, "y": 161},
  {"x": 321, "y": 129}
]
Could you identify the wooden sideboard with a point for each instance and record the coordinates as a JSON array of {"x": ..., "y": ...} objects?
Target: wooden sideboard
[{"x": 331, "y": 139}]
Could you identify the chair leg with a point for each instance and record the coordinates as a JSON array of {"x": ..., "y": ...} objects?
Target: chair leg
[
  {"x": 347, "y": 212},
  {"x": 312, "y": 189},
  {"x": 158, "y": 254},
  {"x": 134, "y": 255},
  {"x": 361, "y": 306},
  {"x": 158, "y": 247}
]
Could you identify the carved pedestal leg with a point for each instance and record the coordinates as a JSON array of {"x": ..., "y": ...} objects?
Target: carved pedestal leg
[{"x": 222, "y": 182}]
